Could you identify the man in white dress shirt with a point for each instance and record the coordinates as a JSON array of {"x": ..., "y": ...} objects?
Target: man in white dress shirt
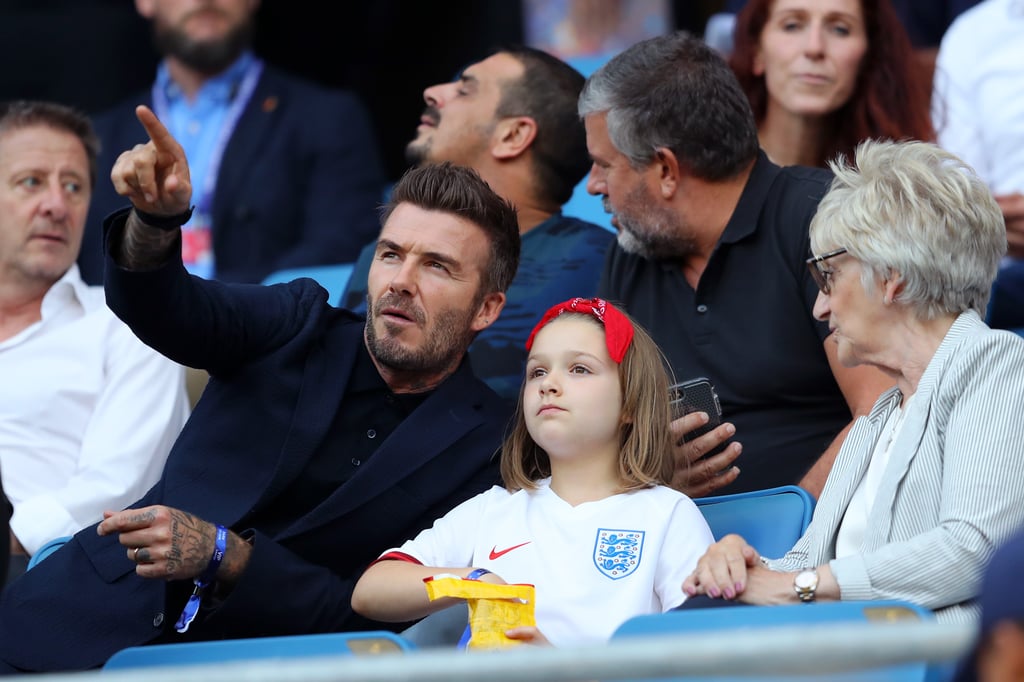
[
  {"x": 978, "y": 112},
  {"x": 88, "y": 413}
]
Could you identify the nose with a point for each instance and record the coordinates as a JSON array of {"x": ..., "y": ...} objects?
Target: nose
[
  {"x": 596, "y": 181},
  {"x": 54, "y": 202},
  {"x": 436, "y": 95},
  {"x": 821, "y": 307},
  {"x": 549, "y": 384},
  {"x": 404, "y": 280},
  {"x": 814, "y": 45}
]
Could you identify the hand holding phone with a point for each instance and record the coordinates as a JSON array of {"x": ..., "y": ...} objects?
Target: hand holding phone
[{"x": 696, "y": 395}]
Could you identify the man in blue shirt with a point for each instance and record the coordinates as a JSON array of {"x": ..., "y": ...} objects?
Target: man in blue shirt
[{"x": 286, "y": 173}]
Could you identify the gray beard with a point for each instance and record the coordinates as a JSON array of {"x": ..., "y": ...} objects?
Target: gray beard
[{"x": 657, "y": 241}]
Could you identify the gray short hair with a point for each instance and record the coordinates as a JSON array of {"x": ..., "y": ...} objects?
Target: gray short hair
[
  {"x": 920, "y": 211},
  {"x": 675, "y": 92}
]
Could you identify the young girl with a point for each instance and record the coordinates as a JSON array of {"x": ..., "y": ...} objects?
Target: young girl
[{"x": 585, "y": 514}]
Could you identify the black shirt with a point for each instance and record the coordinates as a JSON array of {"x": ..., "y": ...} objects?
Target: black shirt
[
  {"x": 367, "y": 415},
  {"x": 748, "y": 326}
]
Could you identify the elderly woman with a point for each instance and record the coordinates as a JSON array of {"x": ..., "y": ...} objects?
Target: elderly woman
[
  {"x": 927, "y": 484},
  {"x": 822, "y": 75}
]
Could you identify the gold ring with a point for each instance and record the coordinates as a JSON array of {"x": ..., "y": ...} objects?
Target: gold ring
[{"x": 135, "y": 555}]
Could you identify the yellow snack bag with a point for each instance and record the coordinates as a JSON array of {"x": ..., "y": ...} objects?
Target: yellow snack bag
[{"x": 492, "y": 608}]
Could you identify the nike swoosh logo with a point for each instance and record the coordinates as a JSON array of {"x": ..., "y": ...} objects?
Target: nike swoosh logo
[{"x": 495, "y": 553}]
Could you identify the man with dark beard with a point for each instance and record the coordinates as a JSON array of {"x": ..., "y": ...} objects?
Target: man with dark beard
[
  {"x": 286, "y": 173},
  {"x": 710, "y": 259},
  {"x": 512, "y": 118},
  {"x": 321, "y": 440}
]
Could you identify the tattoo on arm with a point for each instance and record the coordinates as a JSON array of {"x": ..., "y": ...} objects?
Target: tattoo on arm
[
  {"x": 236, "y": 558},
  {"x": 192, "y": 542},
  {"x": 143, "y": 247}
]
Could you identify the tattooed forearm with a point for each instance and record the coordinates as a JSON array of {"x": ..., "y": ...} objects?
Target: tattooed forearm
[
  {"x": 192, "y": 542},
  {"x": 236, "y": 558},
  {"x": 143, "y": 247}
]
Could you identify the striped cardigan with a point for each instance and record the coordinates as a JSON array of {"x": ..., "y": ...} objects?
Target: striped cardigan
[{"x": 953, "y": 488}]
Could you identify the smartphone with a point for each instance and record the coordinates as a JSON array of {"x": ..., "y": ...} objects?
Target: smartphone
[{"x": 696, "y": 395}]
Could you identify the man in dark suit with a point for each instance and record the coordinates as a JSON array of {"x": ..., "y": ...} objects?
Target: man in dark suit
[
  {"x": 321, "y": 440},
  {"x": 285, "y": 173}
]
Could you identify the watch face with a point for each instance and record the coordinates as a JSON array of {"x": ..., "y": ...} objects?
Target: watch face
[{"x": 806, "y": 580}]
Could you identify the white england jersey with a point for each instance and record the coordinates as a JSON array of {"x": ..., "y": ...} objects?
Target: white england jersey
[{"x": 594, "y": 565}]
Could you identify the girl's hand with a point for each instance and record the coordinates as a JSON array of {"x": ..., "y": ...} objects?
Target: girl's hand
[{"x": 528, "y": 635}]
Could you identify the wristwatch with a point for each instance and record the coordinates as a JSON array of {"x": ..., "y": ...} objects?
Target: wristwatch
[{"x": 805, "y": 584}]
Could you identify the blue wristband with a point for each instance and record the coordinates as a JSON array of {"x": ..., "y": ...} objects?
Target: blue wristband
[
  {"x": 188, "y": 614},
  {"x": 476, "y": 574},
  {"x": 220, "y": 545}
]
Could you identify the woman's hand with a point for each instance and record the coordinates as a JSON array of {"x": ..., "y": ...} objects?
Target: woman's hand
[{"x": 722, "y": 571}]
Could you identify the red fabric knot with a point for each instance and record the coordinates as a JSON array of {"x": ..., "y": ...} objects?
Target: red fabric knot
[{"x": 618, "y": 330}]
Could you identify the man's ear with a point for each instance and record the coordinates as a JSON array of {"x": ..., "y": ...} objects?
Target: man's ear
[
  {"x": 145, "y": 8},
  {"x": 669, "y": 172},
  {"x": 488, "y": 311},
  {"x": 513, "y": 136}
]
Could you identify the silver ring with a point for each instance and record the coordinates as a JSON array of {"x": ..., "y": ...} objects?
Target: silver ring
[{"x": 135, "y": 555}]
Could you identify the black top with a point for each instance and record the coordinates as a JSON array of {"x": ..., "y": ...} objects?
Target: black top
[
  {"x": 748, "y": 327},
  {"x": 368, "y": 414}
]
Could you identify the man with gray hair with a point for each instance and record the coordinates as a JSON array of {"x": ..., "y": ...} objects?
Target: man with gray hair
[{"x": 710, "y": 259}]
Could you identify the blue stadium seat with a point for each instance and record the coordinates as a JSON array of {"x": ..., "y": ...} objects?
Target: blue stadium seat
[
  {"x": 331, "y": 277},
  {"x": 296, "y": 646},
  {"x": 582, "y": 205},
  {"x": 771, "y": 520},
  {"x": 748, "y": 620}
]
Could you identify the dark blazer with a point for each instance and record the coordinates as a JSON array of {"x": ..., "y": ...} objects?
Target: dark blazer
[
  {"x": 299, "y": 184},
  {"x": 279, "y": 359},
  {"x": 1006, "y": 308}
]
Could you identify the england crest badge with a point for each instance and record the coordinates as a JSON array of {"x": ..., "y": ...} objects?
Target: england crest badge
[{"x": 617, "y": 552}]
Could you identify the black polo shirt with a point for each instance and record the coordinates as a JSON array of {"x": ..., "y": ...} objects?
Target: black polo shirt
[{"x": 748, "y": 327}]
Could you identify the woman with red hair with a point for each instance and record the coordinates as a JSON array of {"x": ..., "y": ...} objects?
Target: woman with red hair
[{"x": 822, "y": 75}]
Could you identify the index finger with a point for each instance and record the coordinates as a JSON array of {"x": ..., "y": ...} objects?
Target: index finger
[
  {"x": 129, "y": 519},
  {"x": 684, "y": 424},
  {"x": 157, "y": 131}
]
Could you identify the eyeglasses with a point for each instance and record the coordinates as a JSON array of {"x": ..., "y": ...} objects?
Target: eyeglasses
[{"x": 822, "y": 276}]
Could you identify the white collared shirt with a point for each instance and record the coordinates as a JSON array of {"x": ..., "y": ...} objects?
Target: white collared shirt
[
  {"x": 855, "y": 522},
  {"x": 88, "y": 414},
  {"x": 977, "y": 109}
]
